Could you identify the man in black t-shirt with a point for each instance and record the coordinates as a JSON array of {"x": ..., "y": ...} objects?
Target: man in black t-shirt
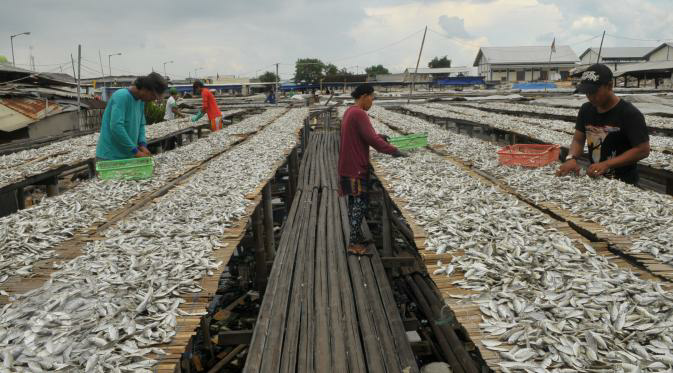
[{"x": 614, "y": 130}]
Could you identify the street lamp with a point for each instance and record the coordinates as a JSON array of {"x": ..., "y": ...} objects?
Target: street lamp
[
  {"x": 166, "y": 75},
  {"x": 108, "y": 61},
  {"x": 11, "y": 41}
]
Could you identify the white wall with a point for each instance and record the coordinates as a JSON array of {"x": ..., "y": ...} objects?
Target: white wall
[
  {"x": 663, "y": 54},
  {"x": 589, "y": 58}
]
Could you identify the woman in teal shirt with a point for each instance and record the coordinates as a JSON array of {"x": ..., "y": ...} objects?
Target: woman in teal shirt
[{"x": 122, "y": 133}]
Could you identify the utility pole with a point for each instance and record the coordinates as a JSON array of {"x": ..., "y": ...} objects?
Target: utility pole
[
  {"x": 109, "y": 56},
  {"x": 79, "y": 76},
  {"x": 11, "y": 41},
  {"x": 277, "y": 80},
  {"x": 600, "y": 49},
  {"x": 166, "y": 75},
  {"x": 413, "y": 78},
  {"x": 100, "y": 59}
]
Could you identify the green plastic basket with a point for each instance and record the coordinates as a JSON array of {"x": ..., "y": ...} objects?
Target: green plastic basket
[
  {"x": 126, "y": 169},
  {"x": 413, "y": 141}
]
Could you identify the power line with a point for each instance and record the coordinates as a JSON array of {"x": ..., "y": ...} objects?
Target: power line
[
  {"x": 637, "y": 39},
  {"x": 379, "y": 49}
]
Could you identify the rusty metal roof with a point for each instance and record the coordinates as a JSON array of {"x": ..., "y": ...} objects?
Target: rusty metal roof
[
  {"x": 30, "y": 107},
  {"x": 11, "y": 120}
]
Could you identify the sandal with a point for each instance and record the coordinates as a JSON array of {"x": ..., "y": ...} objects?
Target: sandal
[{"x": 357, "y": 249}]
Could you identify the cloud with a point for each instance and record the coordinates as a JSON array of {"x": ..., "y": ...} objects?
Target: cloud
[
  {"x": 453, "y": 26},
  {"x": 593, "y": 24},
  {"x": 248, "y": 37},
  {"x": 544, "y": 38}
]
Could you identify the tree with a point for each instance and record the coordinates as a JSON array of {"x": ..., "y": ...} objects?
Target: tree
[
  {"x": 267, "y": 77},
  {"x": 309, "y": 70},
  {"x": 376, "y": 70},
  {"x": 439, "y": 62},
  {"x": 3, "y": 59},
  {"x": 331, "y": 70}
]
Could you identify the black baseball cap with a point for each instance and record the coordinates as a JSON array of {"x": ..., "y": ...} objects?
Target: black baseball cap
[{"x": 594, "y": 77}]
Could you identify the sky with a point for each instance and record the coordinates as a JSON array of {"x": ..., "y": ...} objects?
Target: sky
[{"x": 246, "y": 38}]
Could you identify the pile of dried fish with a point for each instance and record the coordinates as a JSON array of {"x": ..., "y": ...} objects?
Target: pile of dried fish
[
  {"x": 106, "y": 310},
  {"x": 29, "y": 235},
  {"x": 658, "y": 143},
  {"x": 546, "y": 305},
  {"x": 656, "y": 159},
  {"x": 654, "y": 121},
  {"x": 621, "y": 208},
  {"x": 17, "y": 166}
]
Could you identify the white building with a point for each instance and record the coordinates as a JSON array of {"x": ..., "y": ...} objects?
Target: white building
[
  {"x": 664, "y": 52},
  {"x": 615, "y": 56},
  {"x": 525, "y": 64}
]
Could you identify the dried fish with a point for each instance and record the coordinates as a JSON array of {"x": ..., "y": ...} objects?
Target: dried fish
[
  {"x": 620, "y": 208},
  {"x": 131, "y": 281},
  {"x": 26, "y": 163},
  {"x": 546, "y": 305},
  {"x": 29, "y": 235}
]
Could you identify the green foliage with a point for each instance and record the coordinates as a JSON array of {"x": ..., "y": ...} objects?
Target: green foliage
[
  {"x": 308, "y": 70},
  {"x": 439, "y": 62},
  {"x": 344, "y": 71},
  {"x": 331, "y": 70},
  {"x": 154, "y": 111},
  {"x": 3, "y": 59},
  {"x": 376, "y": 70},
  {"x": 267, "y": 77}
]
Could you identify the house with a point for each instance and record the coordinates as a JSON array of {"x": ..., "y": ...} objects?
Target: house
[
  {"x": 664, "y": 52},
  {"x": 525, "y": 64},
  {"x": 426, "y": 74},
  {"x": 615, "y": 56},
  {"x": 36, "y": 105}
]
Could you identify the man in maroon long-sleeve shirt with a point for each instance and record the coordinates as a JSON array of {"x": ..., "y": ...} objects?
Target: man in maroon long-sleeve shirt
[{"x": 357, "y": 135}]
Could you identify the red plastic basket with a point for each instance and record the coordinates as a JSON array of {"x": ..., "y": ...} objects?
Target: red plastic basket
[{"x": 529, "y": 155}]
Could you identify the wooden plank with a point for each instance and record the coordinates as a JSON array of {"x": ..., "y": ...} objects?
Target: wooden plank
[{"x": 323, "y": 305}]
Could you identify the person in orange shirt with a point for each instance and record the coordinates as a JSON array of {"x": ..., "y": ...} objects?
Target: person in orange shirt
[{"x": 209, "y": 107}]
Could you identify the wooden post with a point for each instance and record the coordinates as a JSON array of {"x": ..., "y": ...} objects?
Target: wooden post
[
  {"x": 92, "y": 168},
  {"x": 260, "y": 254},
  {"x": 20, "y": 199},
  {"x": 268, "y": 222},
  {"x": 386, "y": 230},
  {"x": 293, "y": 168},
  {"x": 52, "y": 187}
]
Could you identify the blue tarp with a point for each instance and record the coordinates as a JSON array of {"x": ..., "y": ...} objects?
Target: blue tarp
[
  {"x": 534, "y": 86},
  {"x": 461, "y": 80}
]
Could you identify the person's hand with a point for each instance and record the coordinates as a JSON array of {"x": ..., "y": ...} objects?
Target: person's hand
[
  {"x": 385, "y": 138},
  {"x": 569, "y": 166},
  {"x": 400, "y": 154},
  {"x": 597, "y": 169},
  {"x": 143, "y": 152}
]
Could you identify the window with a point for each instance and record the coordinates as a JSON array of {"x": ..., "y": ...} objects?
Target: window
[
  {"x": 564, "y": 75},
  {"x": 544, "y": 74},
  {"x": 521, "y": 75}
]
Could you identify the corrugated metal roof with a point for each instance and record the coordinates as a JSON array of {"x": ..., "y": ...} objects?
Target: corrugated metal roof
[
  {"x": 657, "y": 48},
  {"x": 620, "y": 52},
  {"x": 526, "y": 55},
  {"x": 6, "y": 67},
  {"x": 11, "y": 120},
  {"x": 32, "y": 108},
  {"x": 645, "y": 66},
  {"x": 390, "y": 78},
  {"x": 439, "y": 70}
]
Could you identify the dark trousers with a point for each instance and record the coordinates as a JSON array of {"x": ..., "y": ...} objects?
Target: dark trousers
[{"x": 357, "y": 208}]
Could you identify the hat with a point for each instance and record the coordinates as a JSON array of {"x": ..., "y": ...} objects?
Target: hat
[
  {"x": 173, "y": 91},
  {"x": 594, "y": 77},
  {"x": 196, "y": 85}
]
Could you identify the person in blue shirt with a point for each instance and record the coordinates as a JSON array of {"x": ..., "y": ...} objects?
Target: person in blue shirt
[{"x": 122, "y": 133}]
